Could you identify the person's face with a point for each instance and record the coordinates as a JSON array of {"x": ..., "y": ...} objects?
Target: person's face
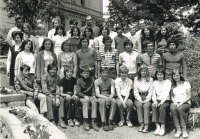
[
  {"x": 25, "y": 72},
  {"x": 73, "y": 25},
  {"x": 160, "y": 76},
  {"x": 26, "y": 29},
  {"x": 69, "y": 73},
  {"x": 125, "y": 28},
  {"x": 104, "y": 75},
  {"x": 56, "y": 23},
  {"x": 84, "y": 43},
  {"x": 53, "y": 71},
  {"x": 119, "y": 31},
  {"x": 88, "y": 33},
  {"x": 176, "y": 77},
  {"x": 66, "y": 47},
  {"x": 41, "y": 31},
  {"x": 89, "y": 21},
  {"x": 163, "y": 31},
  {"x": 85, "y": 74},
  {"x": 75, "y": 32},
  {"x": 123, "y": 75},
  {"x": 60, "y": 31},
  {"x": 47, "y": 45},
  {"x": 17, "y": 39},
  {"x": 128, "y": 47},
  {"x": 150, "y": 47},
  {"x": 104, "y": 32},
  {"x": 27, "y": 46},
  {"x": 19, "y": 23},
  {"x": 143, "y": 72},
  {"x": 108, "y": 43},
  {"x": 146, "y": 32},
  {"x": 172, "y": 46},
  {"x": 133, "y": 31},
  {"x": 141, "y": 25}
]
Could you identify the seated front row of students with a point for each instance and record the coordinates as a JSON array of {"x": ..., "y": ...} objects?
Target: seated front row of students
[{"x": 65, "y": 96}]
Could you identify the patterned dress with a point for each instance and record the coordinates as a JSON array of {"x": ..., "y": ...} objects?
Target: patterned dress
[{"x": 58, "y": 42}]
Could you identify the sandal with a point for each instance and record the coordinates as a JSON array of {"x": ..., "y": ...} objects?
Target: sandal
[
  {"x": 121, "y": 123},
  {"x": 185, "y": 135},
  {"x": 129, "y": 123},
  {"x": 178, "y": 134}
]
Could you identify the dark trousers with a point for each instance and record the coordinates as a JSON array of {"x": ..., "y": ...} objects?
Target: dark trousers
[
  {"x": 159, "y": 113},
  {"x": 68, "y": 108},
  {"x": 179, "y": 114},
  {"x": 143, "y": 111},
  {"x": 51, "y": 108}
]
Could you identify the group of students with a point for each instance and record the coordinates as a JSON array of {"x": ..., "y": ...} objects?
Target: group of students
[{"x": 112, "y": 70}]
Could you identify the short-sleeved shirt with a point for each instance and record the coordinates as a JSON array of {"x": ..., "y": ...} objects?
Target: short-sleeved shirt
[
  {"x": 123, "y": 85},
  {"x": 109, "y": 58},
  {"x": 130, "y": 61},
  {"x": 180, "y": 92},
  {"x": 68, "y": 85},
  {"x": 104, "y": 86},
  {"x": 86, "y": 58},
  {"x": 152, "y": 62}
]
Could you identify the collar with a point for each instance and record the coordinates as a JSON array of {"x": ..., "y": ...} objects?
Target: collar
[
  {"x": 75, "y": 37},
  {"x": 123, "y": 80},
  {"x": 84, "y": 51}
]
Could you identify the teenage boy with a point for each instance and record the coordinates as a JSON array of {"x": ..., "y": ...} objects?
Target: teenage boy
[
  {"x": 87, "y": 57},
  {"x": 52, "y": 91},
  {"x": 105, "y": 92},
  {"x": 85, "y": 90},
  {"x": 39, "y": 38},
  {"x": 123, "y": 86},
  {"x": 136, "y": 40},
  {"x": 68, "y": 92},
  {"x": 119, "y": 40}
]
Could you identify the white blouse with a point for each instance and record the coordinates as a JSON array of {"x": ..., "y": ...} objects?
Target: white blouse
[{"x": 29, "y": 59}]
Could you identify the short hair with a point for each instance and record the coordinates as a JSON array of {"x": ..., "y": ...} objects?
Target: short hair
[
  {"x": 60, "y": 27},
  {"x": 24, "y": 44},
  {"x": 84, "y": 69},
  {"x": 127, "y": 41},
  {"x": 84, "y": 38},
  {"x": 123, "y": 69},
  {"x": 51, "y": 66},
  {"x": 43, "y": 47},
  {"x": 26, "y": 24},
  {"x": 73, "y": 21},
  {"x": 172, "y": 40},
  {"x": 25, "y": 66},
  {"x": 108, "y": 31},
  {"x": 150, "y": 42},
  {"x": 106, "y": 38},
  {"x": 160, "y": 70},
  {"x": 40, "y": 26},
  {"x": 72, "y": 30},
  {"x": 54, "y": 20},
  {"x": 63, "y": 44},
  {"x": 88, "y": 16},
  {"x": 18, "y": 17},
  {"x": 15, "y": 33},
  {"x": 104, "y": 69},
  {"x": 67, "y": 68}
]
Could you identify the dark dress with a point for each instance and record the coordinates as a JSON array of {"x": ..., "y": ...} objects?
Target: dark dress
[
  {"x": 12, "y": 64},
  {"x": 75, "y": 44}
]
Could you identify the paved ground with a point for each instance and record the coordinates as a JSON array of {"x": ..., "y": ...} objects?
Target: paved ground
[{"x": 118, "y": 133}]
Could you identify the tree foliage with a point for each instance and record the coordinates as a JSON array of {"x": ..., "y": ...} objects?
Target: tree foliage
[
  {"x": 155, "y": 10},
  {"x": 31, "y": 10}
]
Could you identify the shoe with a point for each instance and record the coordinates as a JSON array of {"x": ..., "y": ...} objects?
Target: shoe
[
  {"x": 105, "y": 127},
  {"x": 185, "y": 135},
  {"x": 94, "y": 126},
  {"x": 162, "y": 132},
  {"x": 70, "y": 122},
  {"x": 121, "y": 123},
  {"x": 157, "y": 131},
  {"x": 178, "y": 134},
  {"x": 145, "y": 130},
  {"x": 76, "y": 122},
  {"x": 86, "y": 126},
  {"x": 141, "y": 128},
  {"x": 129, "y": 123},
  {"x": 61, "y": 123}
]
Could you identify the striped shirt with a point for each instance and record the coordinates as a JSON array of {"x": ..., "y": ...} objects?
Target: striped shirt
[
  {"x": 153, "y": 62},
  {"x": 108, "y": 59}
]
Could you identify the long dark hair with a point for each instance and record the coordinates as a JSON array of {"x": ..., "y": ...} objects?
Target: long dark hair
[
  {"x": 182, "y": 79},
  {"x": 60, "y": 27},
  {"x": 151, "y": 34},
  {"x": 160, "y": 70},
  {"x": 90, "y": 30},
  {"x": 26, "y": 42},
  {"x": 159, "y": 36},
  {"x": 43, "y": 47},
  {"x": 72, "y": 30}
]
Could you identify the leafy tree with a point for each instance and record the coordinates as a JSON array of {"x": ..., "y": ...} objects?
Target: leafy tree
[
  {"x": 155, "y": 10},
  {"x": 31, "y": 10}
]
